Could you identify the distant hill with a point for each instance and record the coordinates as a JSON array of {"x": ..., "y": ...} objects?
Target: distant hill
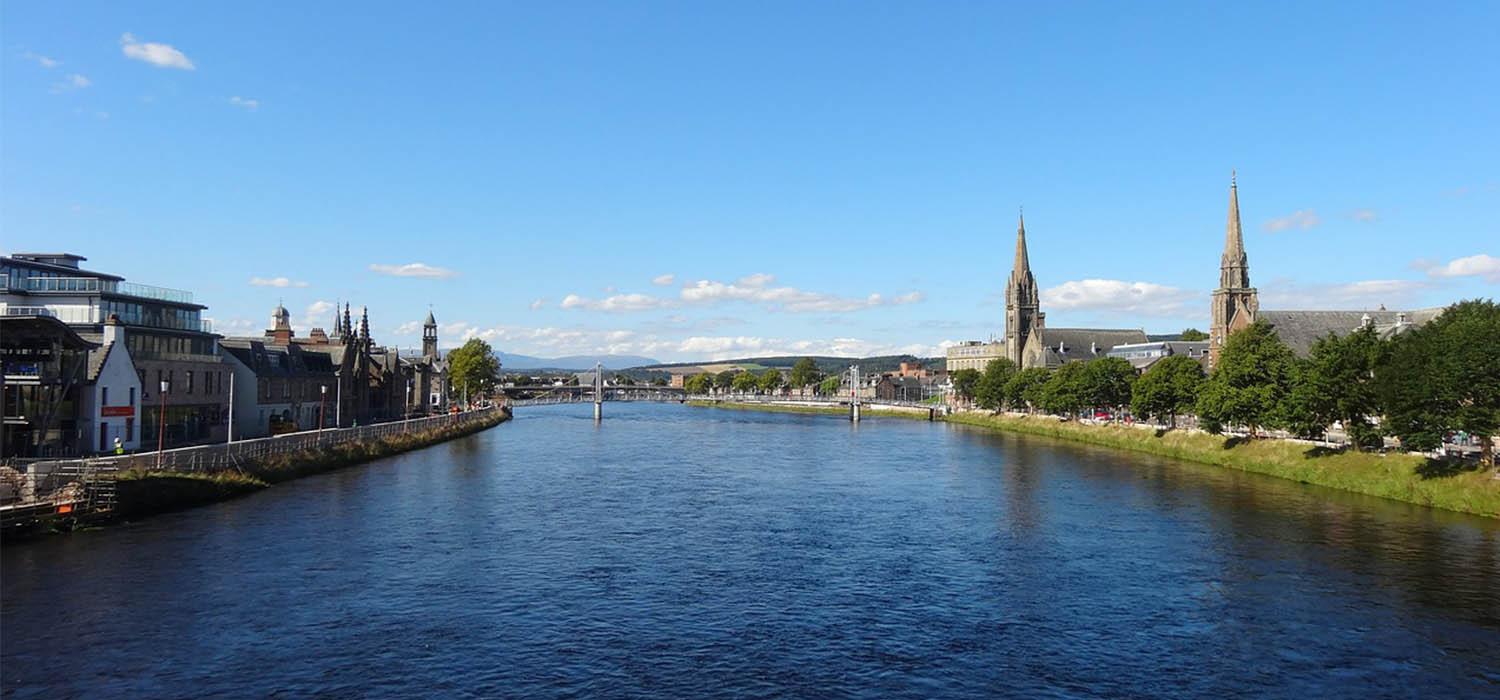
[
  {"x": 573, "y": 362},
  {"x": 826, "y": 364}
]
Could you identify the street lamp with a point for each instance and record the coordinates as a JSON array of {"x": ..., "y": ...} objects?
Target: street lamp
[
  {"x": 161, "y": 428},
  {"x": 406, "y": 410},
  {"x": 322, "y": 401}
]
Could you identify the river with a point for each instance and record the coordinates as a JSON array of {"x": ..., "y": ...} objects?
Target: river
[{"x": 672, "y": 551}]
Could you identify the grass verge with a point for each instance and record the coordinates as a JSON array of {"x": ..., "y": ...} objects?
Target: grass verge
[
  {"x": 1458, "y": 486},
  {"x": 823, "y": 410}
]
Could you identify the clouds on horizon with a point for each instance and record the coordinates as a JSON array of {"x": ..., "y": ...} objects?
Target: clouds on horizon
[
  {"x": 754, "y": 288},
  {"x": 416, "y": 269},
  {"x": 1482, "y": 265},
  {"x": 276, "y": 282},
  {"x": 1118, "y": 296}
]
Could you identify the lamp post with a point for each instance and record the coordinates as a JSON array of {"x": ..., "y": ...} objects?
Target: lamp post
[
  {"x": 322, "y": 402},
  {"x": 161, "y": 427},
  {"x": 406, "y": 413}
]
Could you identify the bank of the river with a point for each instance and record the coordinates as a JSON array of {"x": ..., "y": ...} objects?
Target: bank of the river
[
  {"x": 821, "y": 410},
  {"x": 1402, "y": 477},
  {"x": 141, "y": 493}
]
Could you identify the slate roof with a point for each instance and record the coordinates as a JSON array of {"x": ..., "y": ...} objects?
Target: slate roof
[
  {"x": 1300, "y": 329},
  {"x": 272, "y": 360},
  {"x": 1061, "y": 345},
  {"x": 97, "y": 358}
]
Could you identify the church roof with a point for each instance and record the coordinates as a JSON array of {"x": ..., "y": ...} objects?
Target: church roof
[
  {"x": 1300, "y": 329},
  {"x": 1061, "y": 345},
  {"x": 430, "y": 320}
]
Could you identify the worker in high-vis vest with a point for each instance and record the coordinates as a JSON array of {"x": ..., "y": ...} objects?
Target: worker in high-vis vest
[{"x": 119, "y": 448}]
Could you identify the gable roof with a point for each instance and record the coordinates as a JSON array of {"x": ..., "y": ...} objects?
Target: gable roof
[
  {"x": 1300, "y": 329},
  {"x": 1060, "y": 345}
]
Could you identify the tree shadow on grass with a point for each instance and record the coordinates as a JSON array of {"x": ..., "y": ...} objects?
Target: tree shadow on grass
[
  {"x": 1444, "y": 468},
  {"x": 1235, "y": 441},
  {"x": 1322, "y": 451}
]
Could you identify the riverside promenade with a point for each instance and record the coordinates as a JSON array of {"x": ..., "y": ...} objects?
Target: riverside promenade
[{"x": 35, "y": 492}]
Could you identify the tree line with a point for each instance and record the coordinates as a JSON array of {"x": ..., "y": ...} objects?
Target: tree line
[
  {"x": 1419, "y": 386},
  {"x": 804, "y": 374}
]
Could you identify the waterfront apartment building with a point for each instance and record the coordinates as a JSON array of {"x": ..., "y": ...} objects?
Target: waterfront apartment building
[
  {"x": 1142, "y": 356},
  {"x": 973, "y": 354},
  {"x": 163, "y": 337}
]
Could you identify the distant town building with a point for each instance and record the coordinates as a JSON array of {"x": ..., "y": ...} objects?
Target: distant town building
[
  {"x": 974, "y": 354},
  {"x": 1028, "y": 340},
  {"x": 1236, "y": 304},
  {"x": 1143, "y": 355},
  {"x": 911, "y": 369}
]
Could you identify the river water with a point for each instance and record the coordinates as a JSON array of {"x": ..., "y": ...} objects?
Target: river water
[{"x": 680, "y": 552}]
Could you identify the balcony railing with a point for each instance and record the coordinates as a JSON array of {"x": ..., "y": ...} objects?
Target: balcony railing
[
  {"x": 68, "y": 284},
  {"x": 147, "y": 291}
]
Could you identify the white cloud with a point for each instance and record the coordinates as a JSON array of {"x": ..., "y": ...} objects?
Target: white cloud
[
  {"x": 755, "y": 288},
  {"x": 46, "y": 62},
  {"x": 1368, "y": 216},
  {"x": 1365, "y": 294},
  {"x": 1301, "y": 219},
  {"x": 276, "y": 282},
  {"x": 619, "y": 303},
  {"x": 415, "y": 270},
  {"x": 408, "y": 328},
  {"x": 537, "y": 304},
  {"x": 247, "y": 103},
  {"x": 316, "y": 315},
  {"x": 1481, "y": 265},
  {"x": 664, "y": 280},
  {"x": 159, "y": 55},
  {"x": 555, "y": 342},
  {"x": 74, "y": 81},
  {"x": 1147, "y": 298}
]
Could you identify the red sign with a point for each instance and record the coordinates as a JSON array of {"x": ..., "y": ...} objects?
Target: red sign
[{"x": 117, "y": 411}]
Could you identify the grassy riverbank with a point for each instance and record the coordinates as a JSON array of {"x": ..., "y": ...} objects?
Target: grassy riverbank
[
  {"x": 823, "y": 410},
  {"x": 1402, "y": 477},
  {"x": 148, "y": 492}
]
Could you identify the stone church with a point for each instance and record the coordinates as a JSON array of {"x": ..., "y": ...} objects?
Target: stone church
[
  {"x": 1236, "y": 304},
  {"x": 1028, "y": 340}
]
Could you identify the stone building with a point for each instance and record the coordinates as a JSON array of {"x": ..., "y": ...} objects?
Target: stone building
[
  {"x": 1028, "y": 340},
  {"x": 1236, "y": 304},
  {"x": 430, "y": 390},
  {"x": 973, "y": 354}
]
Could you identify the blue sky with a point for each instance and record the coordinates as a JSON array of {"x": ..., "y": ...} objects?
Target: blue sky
[{"x": 706, "y": 180}]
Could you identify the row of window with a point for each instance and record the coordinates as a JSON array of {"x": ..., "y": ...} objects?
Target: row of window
[
  {"x": 152, "y": 315},
  {"x": 306, "y": 390},
  {"x": 213, "y": 382},
  {"x": 144, "y": 345}
]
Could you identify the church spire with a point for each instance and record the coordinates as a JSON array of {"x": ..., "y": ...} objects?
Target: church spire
[
  {"x": 1234, "y": 266},
  {"x": 1022, "y": 261}
]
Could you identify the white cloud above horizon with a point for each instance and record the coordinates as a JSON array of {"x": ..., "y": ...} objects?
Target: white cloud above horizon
[
  {"x": 1119, "y": 296},
  {"x": 43, "y": 60},
  {"x": 419, "y": 270},
  {"x": 1301, "y": 219},
  {"x": 74, "y": 81},
  {"x": 665, "y": 280},
  {"x": 754, "y": 288},
  {"x": 1368, "y": 216},
  {"x": 1364, "y": 294},
  {"x": 1482, "y": 265},
  {"x": 247, "y": 103},
  {"x": 276, "y": 282},
  {"x": 159, "y": 55}
]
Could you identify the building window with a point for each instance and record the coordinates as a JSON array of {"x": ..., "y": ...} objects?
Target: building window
[
  {"x": 129, "y": 429},
  {"x": 104, "y": 396},
  {"x": 189, "y": 374},
  {"x": 132, "y": 397},
  {"x": 286, "y": 389}
]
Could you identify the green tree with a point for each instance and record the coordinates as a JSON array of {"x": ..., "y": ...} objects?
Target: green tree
[
  {"x": 770, "y": 380},
  {"x": 745, "y": 381},
  {"x": 1444, "y": 377},
  {"x": 725, "y": 379},
  {"x": 1250, "y": 383},
  {"x": 1170, "y": 387},
  {"x": 1106, "y": 382},
  {"x": 473, "y": 368},
  {"x": 624, "y": 380},
  {"x": 830, "y": 385},
  {"x": 989, "y": 391},
  {"x": 1337, "y": 383},
  {"x": 659, "y": 381},
  {"x": 699, "y": 383},
  {"x": 965, "y": 381},
  {"x": 1024, "y": 390},
  {"x": 805, "y": 373},
  {"x": 1064, "y": 393},
  {"x": 1191, "y": 334}
]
